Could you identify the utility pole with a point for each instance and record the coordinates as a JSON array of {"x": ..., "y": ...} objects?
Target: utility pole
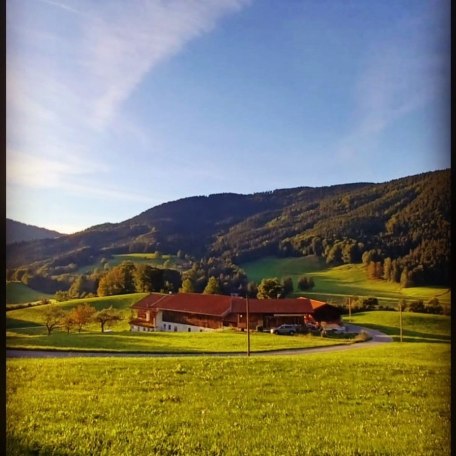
[{"x": 248, "y": 325}]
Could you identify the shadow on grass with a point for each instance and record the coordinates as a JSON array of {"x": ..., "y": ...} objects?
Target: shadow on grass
[
  {"x": 15, "y": 445},
  {"x": 410, "y": 336},
  {"x": 14, "y": 323}
]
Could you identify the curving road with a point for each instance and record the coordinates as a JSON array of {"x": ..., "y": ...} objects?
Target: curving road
[{"x": 377, "y": 339}]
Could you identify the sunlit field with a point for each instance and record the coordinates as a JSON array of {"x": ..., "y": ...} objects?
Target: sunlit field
[
  {"x": 337, "y": 283},
  {"x": 389, "y": 400}
]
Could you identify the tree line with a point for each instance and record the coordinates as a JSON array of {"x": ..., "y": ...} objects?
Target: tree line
[{"x": 80, "y": 316}]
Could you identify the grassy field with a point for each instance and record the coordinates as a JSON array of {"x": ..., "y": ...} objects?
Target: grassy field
[
  {"x": 392, "y": 400},
  {"x": 151, "y": 259},
  {"x": 335, "y": 284},
  {"x": 31, "y": 317},
  {"x": 162, "y": 342},
  {"x": 416, "y": 327},
  {"x": 18, "y": 293}
]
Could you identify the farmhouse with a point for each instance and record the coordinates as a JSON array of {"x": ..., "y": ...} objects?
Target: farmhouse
[{"x": 200, "y": 312}]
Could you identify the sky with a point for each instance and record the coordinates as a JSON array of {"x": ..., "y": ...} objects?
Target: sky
[{"x": 117, "y": 106}]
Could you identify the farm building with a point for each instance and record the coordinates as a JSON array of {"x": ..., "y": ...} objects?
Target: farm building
[{"x": 200, "y": 312}]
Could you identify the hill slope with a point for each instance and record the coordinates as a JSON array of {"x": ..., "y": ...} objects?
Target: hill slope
[
  {"x": 18, "y": 232},
  {"x": 405, "y": 218}
]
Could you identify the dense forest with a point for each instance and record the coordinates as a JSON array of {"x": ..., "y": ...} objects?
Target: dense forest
[
  {"x": 399, "y": 229},
  {"x": 17, "y": 232}
]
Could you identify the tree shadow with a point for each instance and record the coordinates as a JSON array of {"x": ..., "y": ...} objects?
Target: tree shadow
[
  {"x": 409, "y": 335},
  {"x": 15, "y": 323}
]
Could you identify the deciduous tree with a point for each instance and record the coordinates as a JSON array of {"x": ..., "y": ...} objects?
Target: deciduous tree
[
  {"x": 52, "y": 317},
  {"x": 107, "y": 317},
  {"x": 212, "y": 286},
  {"x": 187, "y": 286},
  {"x": 82, "y": 315},
  {"x": 270, "y": 288}
]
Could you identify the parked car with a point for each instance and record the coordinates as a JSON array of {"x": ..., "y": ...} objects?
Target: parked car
[
  {"x": 334, "y": 329},
  {"x": 285, "y": 329}
]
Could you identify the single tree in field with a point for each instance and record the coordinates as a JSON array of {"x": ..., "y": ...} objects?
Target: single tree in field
[
  {"x": 68, "y": 321},
  {"x": 212, "y": 286},
  {"x": 82, "y": 315},
  {"x": 52, "y": 317},
  {"x": 107, "y": 317},
  {"x": 270, "y": 289}
]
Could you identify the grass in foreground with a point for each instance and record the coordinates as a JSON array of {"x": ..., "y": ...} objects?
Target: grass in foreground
[
  {"x": 162, "y": 342},
  {"x": 391, "y": 400}
]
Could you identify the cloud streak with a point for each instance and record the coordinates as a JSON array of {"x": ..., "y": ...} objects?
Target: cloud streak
[
  {"x": 64, "y": 175},
  {"x": 67, "y": 81},
  {"x": 398, "y": 78},
  {"x": 122, "y": 45}
]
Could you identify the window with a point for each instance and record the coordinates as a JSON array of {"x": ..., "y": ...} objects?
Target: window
[{"x": 189, "y": 329}]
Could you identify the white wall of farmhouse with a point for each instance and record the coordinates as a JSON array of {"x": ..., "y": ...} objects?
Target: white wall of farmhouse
[{"x": 161, "y": 325}]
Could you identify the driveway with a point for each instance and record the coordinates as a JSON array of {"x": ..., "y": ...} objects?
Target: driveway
[{"x": 378, "y": 338}]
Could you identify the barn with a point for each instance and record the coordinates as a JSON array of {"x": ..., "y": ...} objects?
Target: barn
[{"x": 192, "y": 312}]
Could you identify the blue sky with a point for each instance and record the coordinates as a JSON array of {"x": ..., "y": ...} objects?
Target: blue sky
[{"x": 116, "y": 106}]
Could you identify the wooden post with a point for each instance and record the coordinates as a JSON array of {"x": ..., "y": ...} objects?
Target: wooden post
[
  {"x": 400, "y": 321},
  {"x": 349, "y": 309},
  {"x": 248, "y": 326}
]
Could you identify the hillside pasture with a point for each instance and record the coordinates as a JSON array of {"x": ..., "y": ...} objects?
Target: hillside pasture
[
  {"x": 416, "y": 327},
  {"x": 336, "y": 284},
  {"x": 32, "y": 316},
  {"x": 392, "y": 400},
  {"x": 152, "y": 259},
  {"x": 18, "y": 293}
]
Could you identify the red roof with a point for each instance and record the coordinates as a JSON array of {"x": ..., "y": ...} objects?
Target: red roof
[
  {"x": 220, "y": 305},
  {"x": 286, "y": 306}
]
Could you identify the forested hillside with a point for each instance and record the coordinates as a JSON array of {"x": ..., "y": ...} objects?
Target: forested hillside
[
  {"x": 18, "y": 232},
  {"x": 399, "y": 229}
]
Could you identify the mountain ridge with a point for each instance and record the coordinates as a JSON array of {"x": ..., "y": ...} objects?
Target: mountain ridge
[
  {"x": 18, "y": 232},
  {"x": 403, "y": 218}
]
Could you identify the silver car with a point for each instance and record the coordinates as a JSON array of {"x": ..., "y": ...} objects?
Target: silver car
[{"x": 284, "y": 329}]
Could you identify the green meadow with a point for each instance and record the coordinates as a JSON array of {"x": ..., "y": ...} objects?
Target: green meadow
[
  {"x": 152, "y": 259},
  {"x": 31, "y": 317},
  {"x": 416, "y": 327},
  {"x": 162, "y": 342},
  {"x": 18, "y": 293},
  {"x": 335, "y": 284},
  {"x": 389, "y": 400}
]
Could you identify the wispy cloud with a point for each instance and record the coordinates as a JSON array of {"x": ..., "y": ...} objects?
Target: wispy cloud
[
  {"x": 122, "y": 44},
  {"x": 61, "y": 5},
  {"x": 70, "y": 175},
  {"x": 397, "y": 78},
  {"x": 66, "y": 81}
]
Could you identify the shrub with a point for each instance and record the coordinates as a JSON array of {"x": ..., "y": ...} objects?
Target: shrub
[
  {"x": 416, "y": 306},
  {"x": 434, "y": 307},
  {"x": 370, "y": 303}
]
